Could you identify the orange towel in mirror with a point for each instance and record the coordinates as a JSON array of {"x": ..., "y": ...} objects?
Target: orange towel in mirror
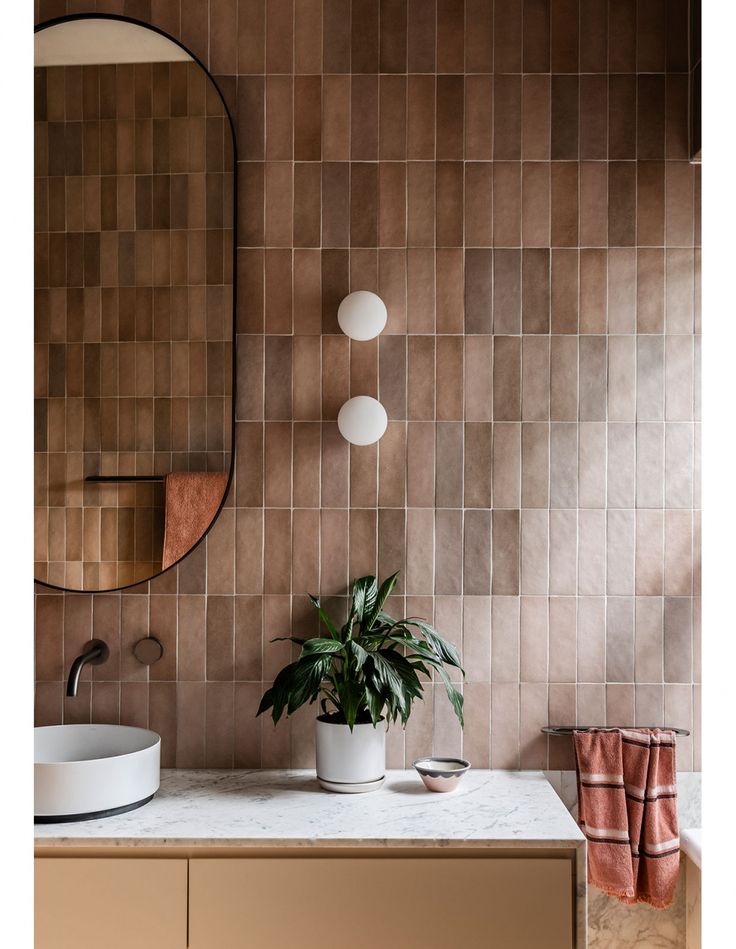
[{"x": 191, "y": 500}]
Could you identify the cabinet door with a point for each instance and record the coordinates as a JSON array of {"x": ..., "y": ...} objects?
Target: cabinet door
[
  {"x": 109, "y": 903},
  {"x": 370, "y": 903}
]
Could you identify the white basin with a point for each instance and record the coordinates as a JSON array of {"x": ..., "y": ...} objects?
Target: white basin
[{"x": 87, "y": 771}]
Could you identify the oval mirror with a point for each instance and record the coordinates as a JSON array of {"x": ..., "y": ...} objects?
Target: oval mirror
[{"x": 134, "y": 278}]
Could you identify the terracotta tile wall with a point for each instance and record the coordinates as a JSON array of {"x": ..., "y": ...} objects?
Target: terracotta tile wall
[
  {"x": 133, "y": 318},
  {"x": 512, "y": 178}
]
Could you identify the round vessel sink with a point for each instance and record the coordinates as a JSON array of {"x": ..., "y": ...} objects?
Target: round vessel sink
[{"x": 83, "y": 772}]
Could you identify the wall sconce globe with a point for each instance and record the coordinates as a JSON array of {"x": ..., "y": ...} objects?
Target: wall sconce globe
[
  {"x": 362, "y": 420},
  {"x": 362, "y": 315}
]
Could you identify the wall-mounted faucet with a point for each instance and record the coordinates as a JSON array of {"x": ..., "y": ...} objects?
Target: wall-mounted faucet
[{"x": 95, "y": 653}]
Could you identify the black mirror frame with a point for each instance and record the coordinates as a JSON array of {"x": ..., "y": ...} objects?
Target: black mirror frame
[{"x": 154, "y": 29}]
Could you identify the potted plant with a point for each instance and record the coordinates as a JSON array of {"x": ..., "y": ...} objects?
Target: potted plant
[{"x": 368, "y": 671}]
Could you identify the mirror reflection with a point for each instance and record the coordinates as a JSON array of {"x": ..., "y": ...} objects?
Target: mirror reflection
[{"x": 134, "y": 303}]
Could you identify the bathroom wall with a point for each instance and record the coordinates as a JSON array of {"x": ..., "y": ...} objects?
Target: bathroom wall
[
  {"x": 133, "y": 308},
  {"x": 513, "y": 179}
]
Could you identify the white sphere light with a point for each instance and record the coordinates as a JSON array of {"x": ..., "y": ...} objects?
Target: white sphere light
[
  {"x": 362, "y": 315},
  {"x": 362, "y": 420}
]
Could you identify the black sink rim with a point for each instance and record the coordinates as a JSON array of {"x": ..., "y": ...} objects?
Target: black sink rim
[{"x": 90, "y": 815}]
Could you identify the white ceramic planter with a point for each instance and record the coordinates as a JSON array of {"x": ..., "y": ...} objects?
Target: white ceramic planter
[{"x": 350, "y": 762}]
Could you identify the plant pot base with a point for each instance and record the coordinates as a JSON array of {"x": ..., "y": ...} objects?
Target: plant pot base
[{"x": 359, "y": 788}]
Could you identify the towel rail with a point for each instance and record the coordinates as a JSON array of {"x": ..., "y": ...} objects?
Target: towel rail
[
  {"x": 118, "y": 479},
  {"x": 569, "y": 729}
]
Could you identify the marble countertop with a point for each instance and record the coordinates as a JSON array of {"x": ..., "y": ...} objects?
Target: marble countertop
[{"x": 288, "y": 808}]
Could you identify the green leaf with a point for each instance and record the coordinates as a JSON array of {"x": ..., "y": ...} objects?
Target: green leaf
[
  {"x": 364, "y": 596},
  {"x": 445, "y": 650},
  {"x": 375, "y": 701},
  {"x": 266, "y": 702},
  {"x": 324, "y": 617},
  {"x": 383, "y": 594},
  {"x": 352, "y": 698},
  {"x": 329, "y": 697},
  {"x": 306, "y": 680},
  {"x": 312, "y": 647},
  {"x": 406, "y": 672},
  {"x": 277, "y": 697},
  {"x": 346, "y": 632},
  {"x": 385, "y": 672},
  {"x": 359, "y": 654},
  {"x": 419, "y": 666},
  {"x": 455, "y": 697},
  {"x": 290, "y": 639}
]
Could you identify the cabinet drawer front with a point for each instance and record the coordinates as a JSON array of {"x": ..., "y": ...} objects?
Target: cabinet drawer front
[
  {"x": 89, "y": 903},
  {"x": 411, "y": 902}
]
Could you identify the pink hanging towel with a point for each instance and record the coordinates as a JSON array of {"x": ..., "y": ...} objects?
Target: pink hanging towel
[{"x": 627, "y": 809}]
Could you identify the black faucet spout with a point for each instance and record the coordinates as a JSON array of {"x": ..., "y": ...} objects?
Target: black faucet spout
[{"x": 95, "y": 653}]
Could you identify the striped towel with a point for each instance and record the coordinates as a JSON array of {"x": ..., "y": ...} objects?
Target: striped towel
[{"x": 627, "y": 809}]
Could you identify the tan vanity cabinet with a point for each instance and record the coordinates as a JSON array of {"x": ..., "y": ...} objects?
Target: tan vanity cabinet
[
  {"x": 422, "y": 902},
  {"x": 281, "y": 899},
  {"x": 110, "y": 903}
]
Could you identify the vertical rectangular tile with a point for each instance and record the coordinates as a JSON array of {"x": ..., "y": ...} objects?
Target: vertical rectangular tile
[
  {"x": 534, "y": 639},
  {"x": 535, "y": 464},
  {"x": 592, "y": 397},
  {"x": 477, "y": 465},
  {"x": 478, "y": 117},
  {"x": 449, "y": 471},
  {"x": 591, "y": 635},
  {"x": 506, "y": 291},
  {"x": 562, "y": 639},
  {"x": 620, "y": 639},
  {"x": 507, "y": 36},
  {"x": 478, "y": 37},
  {"x": 505, "y": 725},
  {"x": 649, "y": 553},
  {"x": 535, "y": 207},
  {"x": 477, "y": 553},
  {"x": 621, "y": 532},
  {"x": 448, "y": 551},
  {"x": 677, "y": 640},
  {"x": 478, "y": 291},
  {"x": 621, "y": 290},
  {"x": 507, "y": 204},
  {"x": 478, "y": 378},
  {"x": 506, "y": 465},
  {"x": 563, "y": 552},
  {"x": 506, "y": 379},
  {"x": 534, "y": 552},
  {"x": 621, "y": 465},
  {"x": 420, "y": 551},
  {"x": 649, "y": 641},
  {"x": 449, "y": 118},
  {"x": 505, "y": 550}
]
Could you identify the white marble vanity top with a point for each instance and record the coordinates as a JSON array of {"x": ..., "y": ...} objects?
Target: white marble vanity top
[{"x": 288, "y": 808}]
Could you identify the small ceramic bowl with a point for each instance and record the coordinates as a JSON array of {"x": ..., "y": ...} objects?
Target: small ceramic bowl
[{"x": 441, "y": 774}]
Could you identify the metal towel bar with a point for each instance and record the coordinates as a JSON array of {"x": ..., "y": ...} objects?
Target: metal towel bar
[
  {"x": 113, "y": 479},
  {"x": 569, "y": 729}
]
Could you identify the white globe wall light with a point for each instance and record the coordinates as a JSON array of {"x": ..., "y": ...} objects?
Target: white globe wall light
[
  {"x": 362, "y": 315},
  {"x": 362, "y": 420}
]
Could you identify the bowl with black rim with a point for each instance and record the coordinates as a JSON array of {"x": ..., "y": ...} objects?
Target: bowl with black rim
[{"x": 441, "y": 774}]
